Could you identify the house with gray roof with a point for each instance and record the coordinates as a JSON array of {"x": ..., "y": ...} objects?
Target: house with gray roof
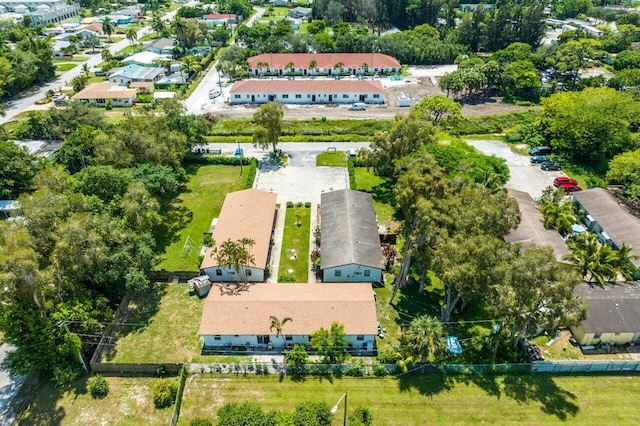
[
  {"x": 132, "y": 73},
  {"x": 161, "y": 46},
  {"x": 609, "y": 219},
  {"x": 351, "y": 249},
  {"x": 612, "y": 313}
]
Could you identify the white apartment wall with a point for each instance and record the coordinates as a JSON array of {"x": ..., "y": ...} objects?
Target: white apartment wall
[
  {"x": 307, "y": 98},
  {"x": 229, "y": 274},
  {"x": 366, "y": 342},
  {"x": 351, "y": 273}
]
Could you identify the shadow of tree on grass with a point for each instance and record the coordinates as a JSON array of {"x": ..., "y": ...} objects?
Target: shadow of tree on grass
[{"x": 541, "y": 388}]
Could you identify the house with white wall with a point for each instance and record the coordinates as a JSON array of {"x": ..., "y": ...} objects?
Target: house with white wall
[
  {"x": 133, "y": 73},
  {"x": 323, "y": 64},
  {"x": 328, "y": 91},
  {"x": 350, "y": 248},
  {"x": 241, "y": 319},
  {"x": 214, "y": 19},
  {"x": 245, "y": 214},
  {"x": 97, "y": 94}
]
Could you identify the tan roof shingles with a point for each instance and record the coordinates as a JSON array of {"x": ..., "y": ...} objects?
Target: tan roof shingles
[
  {"x": 310, "y": 306},
  {"x": 105, "y": 91},
  {"x": 307, "y": 86},
  {"x": 325, "y": 60},
  {"x": 245, "y": 214}
]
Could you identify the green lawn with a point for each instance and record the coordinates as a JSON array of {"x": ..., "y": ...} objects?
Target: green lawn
[
  {"x": 194, "y": 211},
  {"x": 336, "y": 159},
  {"x": 172, "y": 318},
  {"x": 381, "y": 190},
  {"x": 65, "y": 67},
  {"x": 294, "y": 256},
  {"x": 130, "y": 402},
  {"x": 433, "y": 399}
]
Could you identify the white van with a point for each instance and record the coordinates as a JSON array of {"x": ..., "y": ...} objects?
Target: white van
[{"x": 358, "y": 106}]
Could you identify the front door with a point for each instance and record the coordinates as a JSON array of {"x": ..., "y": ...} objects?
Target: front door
[
  {"x": 272, "y": 98},
  {"x": 330, "y": 98},
  {"x": 313, "y": 98},
  {"x": 263, "y": 340},
  {"x": 253, "y": 98}
]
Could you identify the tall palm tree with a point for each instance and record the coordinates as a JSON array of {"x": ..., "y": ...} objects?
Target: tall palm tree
[
  {"x": 132, "y": 35},
  {"x": 79, "y": 82},
  {"x": 178, "y": 28},
  {"x": 157, "y": 24},
  {"x": 278, "y": 324},
  {"x": 190, "y": 65},
  {"x": 85, "y": 69},
  {"x": 108, "y": 27},
  {"x": 236, "y": 254},
  {"x": 262, "y": 66},
  {"x": 592, "y": 259},
  {"x": 623, "y": 262},
  {"x": 425, "y": 337},
  {"x": 289, "y": 67}
]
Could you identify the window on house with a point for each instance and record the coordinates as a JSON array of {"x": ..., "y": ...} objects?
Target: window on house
[
  {"x": 308, "y": 96},
  {"x": 285, "y": 96},
  {"x": 248, "y": 272},
  {"x": 236, "y": 96},
  {"x": 235, "y": 335},
  {"x": 219, "y": 272},
  {"x": 298, "y": 96},
  {"x": 338, "y": 273},
  {"x": 248, "y": 96},
  {"x": 596, "y": 336},
  {"x": 360, "y": 337},
  {"x": 288, "y": 338},
  {"x": 345, "y": 96},
  {"x": 367, "y": 272},
  {"x": 217, "y": 337},
  {"x": 376, "y": 96}
]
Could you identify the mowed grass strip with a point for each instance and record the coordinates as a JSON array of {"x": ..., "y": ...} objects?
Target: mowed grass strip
[
  {"x": 433, "y": 399},
  {"x": 332, "y": 159},
  {"x": 65, "y": 67},
  {"x": 130, "y": 402},
  {"x": 381, "y": 190},
  {"x": 167, "y": 319},
  {"x": 197, "y": 207},
  {"x": 294, "y": 256}
]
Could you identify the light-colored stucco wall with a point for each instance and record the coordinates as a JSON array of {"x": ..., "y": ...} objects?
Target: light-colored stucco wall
[
  {"x": 229, "y": 274},
  {"x": 352, "y": 273}
]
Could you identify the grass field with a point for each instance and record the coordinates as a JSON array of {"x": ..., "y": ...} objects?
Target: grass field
[
  {"x": 381, "y": 189},
  {"x": 65, "y": 67},
  {"x": 169, "y": 319},
  {"x": 294, "y": 255},
  {"x": 194, "y": 211},
  {"x": 130, "y": 402},
  {"x": 433, "y": 399},
  {"x": 335, "y": 159}
]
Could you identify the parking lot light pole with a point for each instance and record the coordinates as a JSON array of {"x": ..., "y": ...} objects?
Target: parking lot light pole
[{"x": 335, "y": 408}]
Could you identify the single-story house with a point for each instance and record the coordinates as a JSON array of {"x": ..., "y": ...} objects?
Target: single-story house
[
  {"x": 120, "y": 19},
  {"x": 142, "y": 87},
  {"x": 161, "y": 46},
  {"x": 215, "y": 19},
  {"x": 299, "y": 12},
  {"x": 96, "y": 94},
  {"x": 613, "y": 315},
  {"x": 132, "y": 73},
  {"x": 351, "y": 250},
  {"x": 325, "y": 63},
  {"x": 146, "y": 59},
  {"x": 306, "y": 91},
  {"x": 245, "y": 214},
  {"x": 243, "y": 318},
  {"x": 609, "y": 219},
  {"x": 9, "y": 208}
]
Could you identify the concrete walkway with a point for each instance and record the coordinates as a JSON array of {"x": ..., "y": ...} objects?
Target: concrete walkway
[{"x": 9, "y": 386}]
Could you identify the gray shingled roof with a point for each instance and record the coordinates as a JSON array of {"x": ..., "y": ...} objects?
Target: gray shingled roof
[
  {"x": 611, "y": 310},
  {"x": 614, "y": 218},
  {"x": 349, "y": 230}
]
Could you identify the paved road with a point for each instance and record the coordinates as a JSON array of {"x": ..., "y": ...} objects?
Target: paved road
[
  {"x": 199, "y": 102},
  {"x": 9, "y": 385},
  {"x": 19, "y": 104}
]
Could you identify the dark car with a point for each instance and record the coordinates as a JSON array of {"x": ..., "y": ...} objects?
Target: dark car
[
  {"x": 537, "y": 159},
  {"x": 540, "y": 150},
  {"x": 550, "y": 166},
  {"x": 563, "y": 181},
  {"x": 571, "y": 188}
]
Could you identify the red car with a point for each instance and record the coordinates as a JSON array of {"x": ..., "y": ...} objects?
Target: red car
[
  {"x": 573, "y": 188},
  {"x": 563, "y": 180}
]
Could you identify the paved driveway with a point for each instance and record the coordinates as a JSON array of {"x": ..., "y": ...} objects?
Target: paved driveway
[{"x": 9, "y": 385}]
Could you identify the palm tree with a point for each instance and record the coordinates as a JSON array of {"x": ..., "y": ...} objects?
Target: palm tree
[
  {"x": 132, "y": 35},
  {"x": 597, "y": 261},
  {"x": 157, "y": 24},
  {"x": 365, "y": 67},
  {"x": 85, "y": 69},
  {"x": 236, "y": 254},
  {"x": 313, "y": 65},
  {"x": 558, "y": 216},
  {"x": 424, "y": 337},
  {"x": 338, "y": 65},
  {"x": 178, "y": 28},
  {"x": 623, "y": 262},
  {"x": 289, "y": 67},
  {"x": 79, "y": 82},
  {"x": 108, "y": 27},
  {"x": 277, "y": 324},
  {"x": 190, "y": 65},
  {"x": 262, "y": 66}
]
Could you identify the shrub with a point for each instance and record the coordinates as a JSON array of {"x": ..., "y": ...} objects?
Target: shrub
[
  {"x": 164, "y": 392},
  {"x": 387, "y": 357},
  {"x": 355, "y": 370},
  {"x": 299, "y": 204},
  {"x": 307, "y": 205},
  {"x": 361, "y": 416},
  {"x": 98, "y": 387},
  {"x": 289, "y": 204},
  {"x": 286, "y": 279},
  {"x": 108, "y": 105},
  {"x": 200, "y": 421},
  {"x": 380, "y": 370}
]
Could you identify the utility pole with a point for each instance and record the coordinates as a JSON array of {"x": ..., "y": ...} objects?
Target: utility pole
[{"x": 66, "y": 328}]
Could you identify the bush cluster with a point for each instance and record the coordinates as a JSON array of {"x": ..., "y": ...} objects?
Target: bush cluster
[
  {"x": 97, "y": 387},
  {"x": 164, "y": 392}
]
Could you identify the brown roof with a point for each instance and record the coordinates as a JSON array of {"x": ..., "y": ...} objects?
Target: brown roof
[
  {"x": 245, "y": 214},
  {"x": 310, "y": 306},
  {"x": 95, "y": 27},
  {"x": 105, "y": 91},
  {"x": 307, "y": 86},
  {"x": 214, "y": 16},
  {"x": 325, "y": 60}
]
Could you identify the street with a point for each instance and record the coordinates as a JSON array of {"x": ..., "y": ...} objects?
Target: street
[{"x": 9, "y": 386}]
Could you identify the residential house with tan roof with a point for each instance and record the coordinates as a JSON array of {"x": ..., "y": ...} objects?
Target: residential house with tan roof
[
  {"x": 97, "y": 94},
  {"x": 215, "y": 19},
  {"x": 328, "y": 91},
  {"x": 143, "y": 87},
  {"x": 245, "y": 214},
  {"x": 351, "y": 250},
  {"x": 325, "y": 64},
  {"x": 240, "y": 318}
]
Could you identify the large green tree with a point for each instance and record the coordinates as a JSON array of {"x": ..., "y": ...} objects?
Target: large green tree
[
  {"x": 268, "y": 120},
  {"x": 17, "y": 169},
  {"x": 331, "y": 344},
  {"x": 425, "y": 338}
]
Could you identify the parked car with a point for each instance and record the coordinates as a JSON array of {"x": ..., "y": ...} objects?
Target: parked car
[
  {"x": 550, "y": 166},
  {"x": 540, "y": 150},
  {"x": 537, "y": 159},
  {"x": 571, "y": 188},
  {"x": 100, "y": 73},
  {"x": 214, "y": 94},
  {"x": 358, "y": 106},
  {"x": 563, "y": 180}
]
